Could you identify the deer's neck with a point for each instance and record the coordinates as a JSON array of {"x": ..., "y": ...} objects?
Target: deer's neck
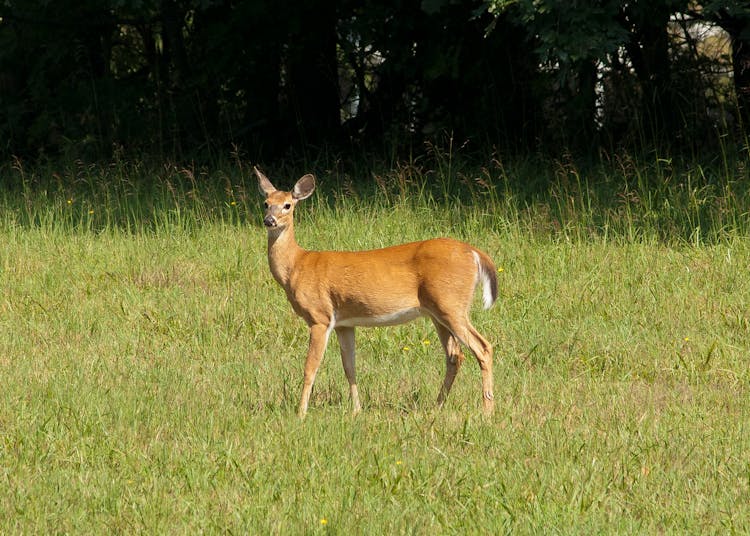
[{"x": 283, "y": 252}]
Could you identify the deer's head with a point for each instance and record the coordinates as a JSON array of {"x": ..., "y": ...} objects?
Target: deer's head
[{"x": 279, "y": 204}]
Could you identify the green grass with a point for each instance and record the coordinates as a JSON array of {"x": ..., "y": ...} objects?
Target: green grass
[{"x": 151, "y": 367}]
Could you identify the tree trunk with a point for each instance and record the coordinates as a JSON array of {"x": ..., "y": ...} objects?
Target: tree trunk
[
  {"x": 649, "y": 51},
  {"x": 741, "y": 70},
  {"x": 312, "y": 74}
]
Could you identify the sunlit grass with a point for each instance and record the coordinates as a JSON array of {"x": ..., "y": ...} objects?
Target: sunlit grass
[{"x": 151, "y": 367}]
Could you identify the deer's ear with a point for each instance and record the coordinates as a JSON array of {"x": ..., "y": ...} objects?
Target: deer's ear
[
  {"x": 304, "y": 187},
  {"x": 266, "y": 188}
]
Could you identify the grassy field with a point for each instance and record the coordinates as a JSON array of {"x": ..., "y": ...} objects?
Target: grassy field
[{"x": 151, "y": 367}]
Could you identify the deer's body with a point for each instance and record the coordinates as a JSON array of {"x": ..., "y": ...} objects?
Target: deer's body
[{"x": 338, "y": 290}]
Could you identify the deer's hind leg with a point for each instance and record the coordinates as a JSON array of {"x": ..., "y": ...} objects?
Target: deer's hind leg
[
  {"x": 461, "y": 329},
  {"x": 454, "y": 357}
]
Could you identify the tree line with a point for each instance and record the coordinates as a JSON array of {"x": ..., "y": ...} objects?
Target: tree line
[{"x": 179, "y": 77}]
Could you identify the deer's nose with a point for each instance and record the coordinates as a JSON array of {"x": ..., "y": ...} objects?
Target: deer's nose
[{"x": 269, "y": 221}]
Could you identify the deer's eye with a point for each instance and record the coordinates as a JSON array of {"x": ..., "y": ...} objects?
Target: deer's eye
[
  {"x": 287, "y": 206},
  {"x": 265, "y": 204}
]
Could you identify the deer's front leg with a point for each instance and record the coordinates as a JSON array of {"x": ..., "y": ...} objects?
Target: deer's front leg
[
  {"x": 346, "y": 342},
  {"x": 318, "y": 341}
]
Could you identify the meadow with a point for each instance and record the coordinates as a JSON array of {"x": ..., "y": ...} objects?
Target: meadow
[{"x": 151, "y": 367}]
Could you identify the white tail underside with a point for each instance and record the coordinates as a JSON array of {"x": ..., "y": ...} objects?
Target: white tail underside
[{"x": 484, "y": 277}]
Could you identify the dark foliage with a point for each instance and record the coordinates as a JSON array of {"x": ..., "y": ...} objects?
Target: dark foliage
[{"x": 177, "y": 78}]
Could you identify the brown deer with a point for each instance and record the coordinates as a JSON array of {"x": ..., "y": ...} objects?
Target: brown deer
[{"x": 339, "y": 290}]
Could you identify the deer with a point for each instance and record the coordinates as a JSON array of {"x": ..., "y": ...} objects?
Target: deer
[{"x": 341, "y": 290}]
